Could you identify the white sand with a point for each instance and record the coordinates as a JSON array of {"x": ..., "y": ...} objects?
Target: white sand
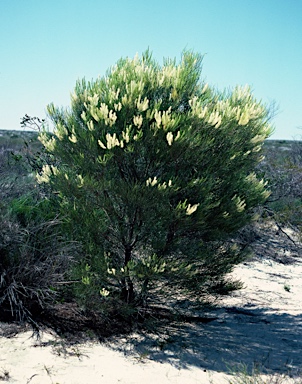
[
  {"x": 92, "y": 363},
  {"x": 261, "y": 323}
]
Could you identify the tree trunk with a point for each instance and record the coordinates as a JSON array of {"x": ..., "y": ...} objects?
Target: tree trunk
[{"x": 127, "y": 289}]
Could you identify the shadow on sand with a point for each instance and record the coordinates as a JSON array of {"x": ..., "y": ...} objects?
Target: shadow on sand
[{"x": 238, "y": 336}]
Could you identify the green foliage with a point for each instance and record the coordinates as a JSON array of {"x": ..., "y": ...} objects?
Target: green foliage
[
  {"x": 31, "y": 207},
  {"x": 288, "y": 210},
  {"x": 283, "y": 170},
  {"x": 33, "y": 259},
  {"x": 155, "y": 173},
  {"x": 34, "y": 255}
]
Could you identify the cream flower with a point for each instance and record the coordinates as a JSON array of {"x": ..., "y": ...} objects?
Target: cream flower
[{"x": 191, "y": 209}]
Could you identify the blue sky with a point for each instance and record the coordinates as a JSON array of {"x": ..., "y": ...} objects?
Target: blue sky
[{"x": 46, "y": 45}]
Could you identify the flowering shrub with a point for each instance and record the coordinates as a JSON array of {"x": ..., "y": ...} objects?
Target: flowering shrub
[{"x": 157, "y": 169}]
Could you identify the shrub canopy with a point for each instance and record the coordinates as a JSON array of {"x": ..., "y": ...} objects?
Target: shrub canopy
[{"x": 157, "y": 169}]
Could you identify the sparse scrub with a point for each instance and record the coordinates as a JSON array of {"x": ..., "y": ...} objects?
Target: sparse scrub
[
  {"x": 34, "y": 257},
  {"x": 283, "y": 170},
  {"x": 34, "y": 254},
  {"x": 14, "y": 175},
  {"x": 243, "y": 376}
]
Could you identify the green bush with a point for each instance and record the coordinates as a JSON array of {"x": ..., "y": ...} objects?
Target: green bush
[
  {"x": 283, "y": 171},
  {"x": 35, "y": 253},
  {"x": 155, "y": 172},
  {"x": 34, "y": 258}
]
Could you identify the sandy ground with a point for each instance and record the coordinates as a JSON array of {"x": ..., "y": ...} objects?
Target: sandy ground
[{"x": 260, "y": 325}]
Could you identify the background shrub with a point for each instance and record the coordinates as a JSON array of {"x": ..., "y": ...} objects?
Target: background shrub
[
  {"x": 282, "y": 169},
  {"x": 34, "y": 253}
]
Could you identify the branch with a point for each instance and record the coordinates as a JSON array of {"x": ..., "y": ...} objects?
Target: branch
[{"x": 34, "y": 123}]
